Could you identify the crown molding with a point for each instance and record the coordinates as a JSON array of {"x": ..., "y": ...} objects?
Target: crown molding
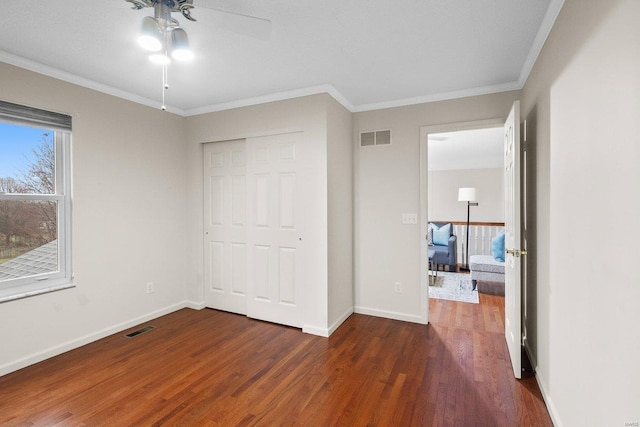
[
  {"x": 445, "y": 96},
  {"x": 279, "y": 96},
  {"x": 46, "y": 70},
  {"x": 541, "y": 37}
]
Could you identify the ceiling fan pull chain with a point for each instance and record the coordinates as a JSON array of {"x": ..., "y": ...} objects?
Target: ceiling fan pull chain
[
  {"x": 165, "y": 70},
  {"x": 165, "y": 85}
]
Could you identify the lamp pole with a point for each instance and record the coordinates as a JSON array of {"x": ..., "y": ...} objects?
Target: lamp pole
[
  {"x": 466, "y": 245},
  {"x": 467, "y": 194}
]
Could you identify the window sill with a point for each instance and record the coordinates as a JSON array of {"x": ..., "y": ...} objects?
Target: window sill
[{"x": 27, "y": 294}]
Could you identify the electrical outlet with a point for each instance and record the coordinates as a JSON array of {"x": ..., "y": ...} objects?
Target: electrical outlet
[
  {"x": 398, "y": 288},
  {"x": 150, "y": 287}
]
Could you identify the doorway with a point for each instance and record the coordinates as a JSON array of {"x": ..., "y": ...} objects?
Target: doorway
[{"x": 425, "y": 132}]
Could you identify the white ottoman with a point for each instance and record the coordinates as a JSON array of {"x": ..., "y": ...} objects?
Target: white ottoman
[{"x": 486, "y": 270}]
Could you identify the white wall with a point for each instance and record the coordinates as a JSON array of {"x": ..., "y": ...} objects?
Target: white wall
[
  {"x": 129, "y": 205},
  {"x": 581, "y": 104},
  {"x": 443, "y": 195},
  {"x": 340, "y": 212},
  {"x": 307, "y": 115},
  {"x": 387, "y": 184}
]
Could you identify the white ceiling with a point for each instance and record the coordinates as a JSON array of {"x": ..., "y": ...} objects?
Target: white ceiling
[
  {"x": 469, "y": 149},
  {"x": 367, "y": 53}
]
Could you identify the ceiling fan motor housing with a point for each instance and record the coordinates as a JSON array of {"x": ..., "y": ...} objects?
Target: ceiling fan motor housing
[{"x": 163, "y": 8}]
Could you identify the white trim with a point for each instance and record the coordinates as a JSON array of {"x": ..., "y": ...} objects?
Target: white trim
[
  {"x": 29, "y": 293},
  {"x": 326, "y": 332},
  {"x": 195, "y": 305},
  {"x": 553, "y": 413},
  {"x": 315, "y": 330},
  {"x": 340, "y": 320},
  {"x": 389, "y": 314},
  {"x": 89, "y": 338},
  {"x": 279, "y": 96},
  {"x": 445, "y": 96},
  {"x": 424, "y": 203},
  {"x": 424, "y": 194},
  {"x": 46, "y": 70},
  {"x": 553, "y": 10}
]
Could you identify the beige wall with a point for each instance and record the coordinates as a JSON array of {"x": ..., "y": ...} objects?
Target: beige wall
[
  {"x": 443, "y": 195},
  {"x": 581, "y": 103},
  {"x": 387, "y": 184},
  {"x": 129, "y": 205},
  {"x": 340, "y": 212}
]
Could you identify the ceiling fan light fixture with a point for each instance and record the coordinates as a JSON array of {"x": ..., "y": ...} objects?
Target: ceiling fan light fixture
[
  {"x": 151, "y": 35},
  {"x": 180, "y": 45}
]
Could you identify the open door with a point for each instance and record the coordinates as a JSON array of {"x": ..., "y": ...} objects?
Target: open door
[{"x": 513, "y": 265}]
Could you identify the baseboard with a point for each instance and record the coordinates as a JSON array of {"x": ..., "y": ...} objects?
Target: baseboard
[
  {"x": 547, "y": 399},
  {"x": 553, "y": 413},
  {"x": 86, "y": 339},
  {"x": 340, "y": 320},
  {"x": 194, "y": 305},
  {"x": 315, "y": 330},
  {"x": 389, "y": 314}
]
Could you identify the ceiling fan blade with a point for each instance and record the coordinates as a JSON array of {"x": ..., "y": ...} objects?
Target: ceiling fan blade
[{"x": 246, "y": 25}]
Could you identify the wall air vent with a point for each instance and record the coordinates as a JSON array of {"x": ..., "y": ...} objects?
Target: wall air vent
[{"x": 378, "y": 137}]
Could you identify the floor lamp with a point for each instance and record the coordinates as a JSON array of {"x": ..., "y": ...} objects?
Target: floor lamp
[{"x": 467, "y": 195}]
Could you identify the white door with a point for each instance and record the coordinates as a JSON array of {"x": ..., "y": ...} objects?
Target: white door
[
  {"x": 513, "y": 289},
  {"x": 225, "y": 246},
  {"x": 274, "y": 228}
]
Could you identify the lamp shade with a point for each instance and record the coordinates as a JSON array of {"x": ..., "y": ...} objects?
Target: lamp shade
[
  {"x": 151, "y": 35},
  {"x": 180, "y": 45},
  {"x": 466, "y": 194}
]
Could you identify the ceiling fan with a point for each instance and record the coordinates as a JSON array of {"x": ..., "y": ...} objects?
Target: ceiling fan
[
  {"x": 247, "y": 25},
  {"x": 163, "y": 37}
]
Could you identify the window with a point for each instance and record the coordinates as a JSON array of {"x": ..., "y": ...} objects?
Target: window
[{"x": 35, "y": 201}]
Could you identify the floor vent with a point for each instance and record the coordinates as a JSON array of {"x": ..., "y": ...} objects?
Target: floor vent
[{"x": 140, "y": 331}]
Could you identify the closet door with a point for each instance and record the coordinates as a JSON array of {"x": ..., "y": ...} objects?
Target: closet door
[
  {"x": 275, "y": 255},
  {"x": 225, "y": 217}
]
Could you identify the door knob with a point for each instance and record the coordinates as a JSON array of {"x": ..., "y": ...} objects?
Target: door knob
[{"x": 516, "y": 252}]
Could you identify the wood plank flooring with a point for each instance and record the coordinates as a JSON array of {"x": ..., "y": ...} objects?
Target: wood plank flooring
[{"x": 210, "y": 368}]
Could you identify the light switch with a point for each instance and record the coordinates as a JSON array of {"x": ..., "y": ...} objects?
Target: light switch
[{"x": 409, "y": 218}]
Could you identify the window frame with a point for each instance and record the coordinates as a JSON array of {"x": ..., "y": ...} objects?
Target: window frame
[{"x": 12, "y": 289}]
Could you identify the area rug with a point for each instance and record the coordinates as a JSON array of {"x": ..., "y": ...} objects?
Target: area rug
[{"x": 453, "y": 287}]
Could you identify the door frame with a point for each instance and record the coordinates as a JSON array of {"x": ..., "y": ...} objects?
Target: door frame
[{"x": 424, "y": 195}]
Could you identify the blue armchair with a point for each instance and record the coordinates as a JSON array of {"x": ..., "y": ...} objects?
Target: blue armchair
[{"x": 445, "y": 254}]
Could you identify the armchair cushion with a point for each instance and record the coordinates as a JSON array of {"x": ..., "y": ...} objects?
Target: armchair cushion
[{"x": 441, "y": 234}]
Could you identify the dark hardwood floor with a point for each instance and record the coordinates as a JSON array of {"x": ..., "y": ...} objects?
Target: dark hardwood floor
[{"x": 201, "y": 368}]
